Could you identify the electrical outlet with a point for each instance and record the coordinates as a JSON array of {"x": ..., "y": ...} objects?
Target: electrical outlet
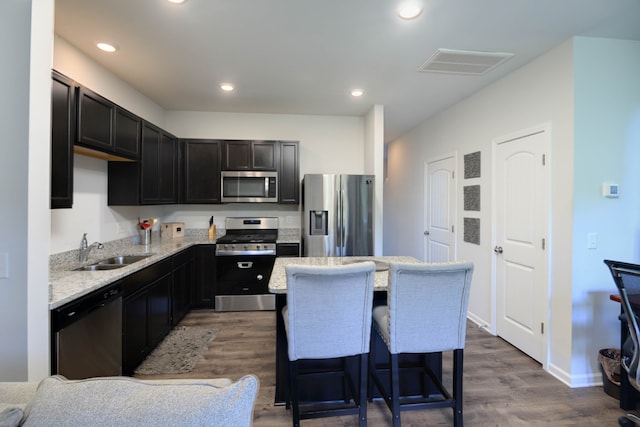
[{"x": 120, "y": 229}]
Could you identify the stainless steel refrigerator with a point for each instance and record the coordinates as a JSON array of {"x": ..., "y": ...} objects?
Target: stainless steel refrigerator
[{"x": 337, "y": 215}]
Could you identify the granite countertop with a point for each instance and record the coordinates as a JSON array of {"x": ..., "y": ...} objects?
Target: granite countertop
[
  {"x": 278, "y": 280},
  {"x": 66, "y": 285}
]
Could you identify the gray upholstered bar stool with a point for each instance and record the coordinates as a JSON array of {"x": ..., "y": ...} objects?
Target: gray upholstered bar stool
[
  {"x": 426, "y": 312},
  {"x": 327, "y": 316}
]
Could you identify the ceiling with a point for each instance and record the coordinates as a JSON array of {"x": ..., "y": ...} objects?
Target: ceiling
[{"x": 304, "y": 56}]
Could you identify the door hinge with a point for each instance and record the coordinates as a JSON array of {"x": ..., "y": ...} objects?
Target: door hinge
[
  {"x": 453, "y": 174},
  {"x": 543, "y": 243},
  {"x": 544, "y": 160},
  {"x": 542, "y": 328},
  {"x": 452, "y": 230}
]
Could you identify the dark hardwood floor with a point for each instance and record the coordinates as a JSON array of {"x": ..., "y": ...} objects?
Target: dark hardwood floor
[{"x": 502, "y": 386}]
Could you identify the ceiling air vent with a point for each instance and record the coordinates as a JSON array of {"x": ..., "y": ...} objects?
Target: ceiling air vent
[{"x": 463, "y": 62}]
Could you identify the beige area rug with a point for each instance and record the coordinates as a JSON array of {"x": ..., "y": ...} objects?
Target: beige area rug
[{"x": 179, "y": 352}]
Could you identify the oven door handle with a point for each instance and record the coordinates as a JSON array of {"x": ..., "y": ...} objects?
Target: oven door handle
[{"x": 245, "y": 264}]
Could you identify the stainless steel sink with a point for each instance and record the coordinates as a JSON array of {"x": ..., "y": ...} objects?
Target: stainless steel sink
[
  {"x": 113, "y": 263},
  {"x": 97, "y": 267},
  {"x": 122, "y": 260}
]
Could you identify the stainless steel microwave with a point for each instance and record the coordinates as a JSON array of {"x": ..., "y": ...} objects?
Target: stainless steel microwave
[{"x": 249, "y": 186}]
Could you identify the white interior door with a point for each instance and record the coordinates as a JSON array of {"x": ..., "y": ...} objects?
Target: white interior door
[
  {"x": 440, "y": 212},
  {"x": 521, "y": 240}
]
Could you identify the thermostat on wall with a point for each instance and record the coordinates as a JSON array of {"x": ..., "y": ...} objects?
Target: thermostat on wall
[{"x": 610, "y": 190}]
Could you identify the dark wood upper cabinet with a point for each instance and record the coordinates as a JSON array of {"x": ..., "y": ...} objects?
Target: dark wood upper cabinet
[
  {"x": 63, "y": 122},
  {"x": 168, "y": 169},
  {"x": 289, "y": 173},
  {"x": 264, "y": 155},
  {"x": 249, "y": 155},
  {"x": 159, "y": 166},
  {"x": 151, "y": 181},
  {"x": 106, "y": 128},
  {"x": 150, "y": 163},
  {"x": 201, "y": 170},
  {"x": 126, "y": 133},
  {"x": 95, "y": 120}
]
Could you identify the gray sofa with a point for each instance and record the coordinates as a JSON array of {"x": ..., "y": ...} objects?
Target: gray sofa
[{"x": 124, "y": 401}]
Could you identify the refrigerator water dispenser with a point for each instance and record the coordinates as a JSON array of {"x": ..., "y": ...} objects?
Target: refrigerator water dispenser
[{"x": 318, "y": 221}]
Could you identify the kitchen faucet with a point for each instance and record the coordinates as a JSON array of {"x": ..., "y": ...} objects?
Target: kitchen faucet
[{"x": 85, "y": 248}]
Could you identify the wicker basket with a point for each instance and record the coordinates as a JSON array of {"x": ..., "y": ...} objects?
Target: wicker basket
[{"x": 609, "y": 359}]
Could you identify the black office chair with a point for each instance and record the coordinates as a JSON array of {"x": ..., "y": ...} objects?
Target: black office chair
[{"x": 624, "y": 276}]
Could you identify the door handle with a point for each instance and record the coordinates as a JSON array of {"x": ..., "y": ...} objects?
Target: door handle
[
  {"x": 247, "y": 264},
  {"x": 497, "y": 249},
  {"x": 426, "y": 233}
]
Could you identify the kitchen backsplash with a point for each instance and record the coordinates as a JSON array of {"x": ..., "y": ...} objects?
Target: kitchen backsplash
[{"x": 60, "y": 259}]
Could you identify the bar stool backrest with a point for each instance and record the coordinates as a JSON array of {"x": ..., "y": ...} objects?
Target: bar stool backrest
[
  {"x": 428, "y": 306},
  {"x": 328, "y": 311}
]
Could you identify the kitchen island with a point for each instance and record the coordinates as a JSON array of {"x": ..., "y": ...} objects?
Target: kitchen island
[
  {"x": 278, "y": 281},
  {"x": 322, "y": 390}
]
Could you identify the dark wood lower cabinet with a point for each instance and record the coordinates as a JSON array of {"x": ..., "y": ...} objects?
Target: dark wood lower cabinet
[
  {"x": 157, "y": 297},
  {"x": 287, "y": 250},
  {"x": 205, "y": 278},
  {"x": 159, "y": 310},
  {"x": 146, "y": 312},
  {"x": 146, "y": 321},
  {"x": 134, "y": 328},
  {"x": 183, "y": 284}
]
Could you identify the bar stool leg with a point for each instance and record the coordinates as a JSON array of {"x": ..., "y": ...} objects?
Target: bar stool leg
[
  {"x": 458, "y": 356},
  {"x": 293, "y": 392},
  {"x": 362, "y": 398},
  {"x": 395, "y": 389}
]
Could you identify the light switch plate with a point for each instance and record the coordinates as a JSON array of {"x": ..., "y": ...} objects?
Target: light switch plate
[{"x": 4, "y": 265}]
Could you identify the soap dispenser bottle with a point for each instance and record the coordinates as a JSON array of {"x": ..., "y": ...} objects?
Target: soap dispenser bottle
[{"x": 212, "y": 230}]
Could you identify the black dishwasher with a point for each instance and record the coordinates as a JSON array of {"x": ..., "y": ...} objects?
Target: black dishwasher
[{"x": 87, "y": 335}]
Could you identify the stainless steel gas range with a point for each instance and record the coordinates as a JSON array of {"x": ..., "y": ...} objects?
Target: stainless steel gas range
[{"x": 245, "y": 257}]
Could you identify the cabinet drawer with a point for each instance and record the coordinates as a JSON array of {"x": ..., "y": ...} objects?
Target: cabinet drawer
[{"x": 138, "y": 280}]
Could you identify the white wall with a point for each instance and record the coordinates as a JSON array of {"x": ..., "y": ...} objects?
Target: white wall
[
  {"x": 328, "y": 144},
  {"x": 41, "y": 53},
  {"x": 26, "y": 38},
  {"x": 374, "y": 165},
  {"x": 607, "y": 149},
  {"x": 14, "y": 117},
  {"x": 540, "y": 92},
  {"x": 76, "y": 65},
  {"x": 588, "y": 90}
]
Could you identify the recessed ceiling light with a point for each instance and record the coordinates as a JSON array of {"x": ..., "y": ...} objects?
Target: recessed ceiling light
[
  {"x": 357, "y": 92},
  {"x": 177, "y": 1},
  {"x": 410, "y": 9},
  {"x": 107, "y": 47},
  {"x": 227, "y": 87}
]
